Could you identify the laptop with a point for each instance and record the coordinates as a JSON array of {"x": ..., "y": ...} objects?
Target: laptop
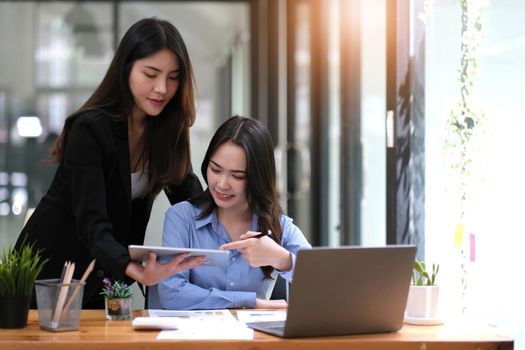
[{"x": 346, "y": 290}]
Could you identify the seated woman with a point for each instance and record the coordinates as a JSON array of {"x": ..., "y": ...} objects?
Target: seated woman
[{"x": 241, "y": 202}]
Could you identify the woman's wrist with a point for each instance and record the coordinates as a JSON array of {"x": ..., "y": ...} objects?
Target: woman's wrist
[
  {"x": 283, "y": 261},
  {"x": 270, "y": 304},
  {"x": 135, "y": 271}
]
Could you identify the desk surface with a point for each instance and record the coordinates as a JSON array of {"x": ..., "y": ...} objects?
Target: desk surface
[{"x": 97, "y": 333}]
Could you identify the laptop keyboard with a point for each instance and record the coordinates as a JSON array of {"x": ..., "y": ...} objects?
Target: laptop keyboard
[
  {"x": 274, "y": 327},
  {"x": 273, "y": 324}
]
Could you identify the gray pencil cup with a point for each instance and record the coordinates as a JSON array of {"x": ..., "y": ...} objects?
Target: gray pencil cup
[{"x": 59, "y": 304}]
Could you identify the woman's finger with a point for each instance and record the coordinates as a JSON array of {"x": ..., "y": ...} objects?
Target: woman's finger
[
  {"x": 152, "y": 257},
  {"x": 177, "y": 259},
  {"x": 192, "y": 262}
]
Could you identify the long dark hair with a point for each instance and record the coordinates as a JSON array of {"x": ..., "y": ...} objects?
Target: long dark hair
[
  {"x": 167, "y": 135},
  {"x": 255, "y": 140}
]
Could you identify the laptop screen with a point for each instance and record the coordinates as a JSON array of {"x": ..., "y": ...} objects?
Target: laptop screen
[{"x": 349, "y": 290}]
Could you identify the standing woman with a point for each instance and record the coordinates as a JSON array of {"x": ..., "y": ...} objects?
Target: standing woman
[{"x": 129, "y": 141}]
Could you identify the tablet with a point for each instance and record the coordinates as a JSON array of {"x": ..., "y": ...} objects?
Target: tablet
[{"x": 215, "y": 257}]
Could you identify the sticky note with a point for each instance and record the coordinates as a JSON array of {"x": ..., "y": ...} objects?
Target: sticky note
[
  {"x": 458, "y": 236},
  {"x": 472, "y": 247}
]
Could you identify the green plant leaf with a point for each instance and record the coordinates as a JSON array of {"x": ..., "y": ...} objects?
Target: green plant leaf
[
  {"x": 420, "y": 275},
  {"x": 19, "y": 269}
]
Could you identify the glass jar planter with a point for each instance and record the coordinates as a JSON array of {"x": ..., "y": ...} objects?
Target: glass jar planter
[{"x": 118, "y": 308}]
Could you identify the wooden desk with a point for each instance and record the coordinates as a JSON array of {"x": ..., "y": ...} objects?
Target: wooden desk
[{"x": 97, "y": 333}]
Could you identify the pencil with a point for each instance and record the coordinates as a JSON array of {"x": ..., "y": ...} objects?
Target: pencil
[
  {"x": 78, "y": 286},
  {"x": 63, "y": 294},
  {"x": 262, "y": 234}
]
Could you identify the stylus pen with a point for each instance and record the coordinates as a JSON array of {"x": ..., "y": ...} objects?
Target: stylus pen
[{"x": 262, "y": 234}]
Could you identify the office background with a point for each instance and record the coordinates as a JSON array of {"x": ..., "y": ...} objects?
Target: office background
[{"x": 356, "y": 95}]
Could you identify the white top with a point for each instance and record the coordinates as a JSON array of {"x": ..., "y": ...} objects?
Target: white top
[{"x": 139, "y": 182}]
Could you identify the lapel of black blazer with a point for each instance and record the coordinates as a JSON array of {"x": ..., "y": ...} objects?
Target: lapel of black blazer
[{"x": 120, "y": 130}]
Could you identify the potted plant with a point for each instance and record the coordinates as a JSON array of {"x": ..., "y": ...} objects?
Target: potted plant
[
  {"x": 423, "y": 295},
  {"x": 118, "y": 300},
  {"x": 18, "y": 272}
]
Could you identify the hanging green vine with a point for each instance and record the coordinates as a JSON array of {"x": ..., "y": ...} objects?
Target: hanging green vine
[
  {"x": 465, "y": 122},
  {"x": 466, "y": 118}
]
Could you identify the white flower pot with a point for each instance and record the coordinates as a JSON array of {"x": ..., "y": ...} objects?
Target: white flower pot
[{"x": 422, "y": 301}]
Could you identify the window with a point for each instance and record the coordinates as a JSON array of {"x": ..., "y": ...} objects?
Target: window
[{"x": 494, "y": 233}]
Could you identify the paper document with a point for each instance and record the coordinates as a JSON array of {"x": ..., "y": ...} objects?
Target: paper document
[
  {"x": 246, "y": 316},
  {"x": 203, "y": 324},
  {"x": 194, "y": 314},
  {"x": 206, "y": 329}
]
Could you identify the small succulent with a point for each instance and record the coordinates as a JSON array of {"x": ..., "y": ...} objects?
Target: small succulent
[
  {"x": 116, "y": 289},
  {"x": 420, "y": 276}
]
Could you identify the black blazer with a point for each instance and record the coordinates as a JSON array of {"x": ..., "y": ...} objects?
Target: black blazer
[{"x": 87, "y": 212}]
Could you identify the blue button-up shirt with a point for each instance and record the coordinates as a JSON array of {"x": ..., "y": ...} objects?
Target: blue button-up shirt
[{"x": 210, "y": 287}]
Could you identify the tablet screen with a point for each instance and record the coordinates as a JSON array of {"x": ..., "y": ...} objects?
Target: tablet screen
[{"x": 215, "y": 257}]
